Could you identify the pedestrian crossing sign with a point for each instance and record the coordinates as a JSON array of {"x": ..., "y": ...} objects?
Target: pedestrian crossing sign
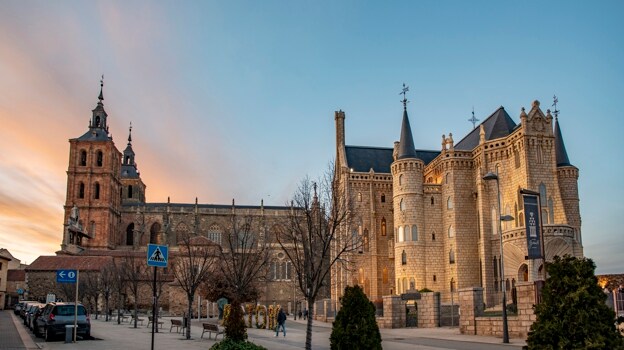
[{"x": 157, "y": 255}]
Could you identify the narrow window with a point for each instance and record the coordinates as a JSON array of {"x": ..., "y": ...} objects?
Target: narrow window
[
  {"x": 83, "y": 158},
  {"x": 452, "y": 285},
  {"x": 383, "y": 226},
  {"x": 403, "y": 258},
  {"x": 401, "y": 179},
  {"x": 412, "y": 284},
  {"x": 414, "y": 233},
  {"x": 92, "y": 229},
  {"x": 359, "y": 196},
  {"x": 383, "y": 198},
  {"x": 384, "y": 275},
  {"x": 451, "y": 232},
  {"x": 96, "y": 194},
  {"x": 407, "y": 233},
  {"x": 100, "y": 158},
  {"x": 402, "y": 205},
  {"x": 129, "y": 191},
  {"x": 435, "y": 278},
  {"x": 449, "y": 203},
  {"x": 130, "y": 234},
  {"x": 432, "y": 201},
  {"x": 401, "y": 234},
  {"x": 451, "y": 256},
  {"x": 433, "y": 236},
  {"x": 81, "y": 190},
  {"x": 551, "y": 210}
]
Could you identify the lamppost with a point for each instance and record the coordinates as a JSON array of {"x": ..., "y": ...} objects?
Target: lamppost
[{"x": 492, "y": 176}]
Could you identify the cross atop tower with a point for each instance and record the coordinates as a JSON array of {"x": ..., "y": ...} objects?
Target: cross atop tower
[
  {"x": 473, "y": 119},
  {"x": 556, "y": 111},
  {"x": 405, "y": 90}
]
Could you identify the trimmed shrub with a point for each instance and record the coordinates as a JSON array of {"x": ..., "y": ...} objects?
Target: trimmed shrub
[
  {"x": 229, "y": 344},
  {"x": 355, "y": 326}
]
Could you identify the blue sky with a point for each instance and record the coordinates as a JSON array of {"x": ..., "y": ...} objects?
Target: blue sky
[{"x": 236, "y": 99}]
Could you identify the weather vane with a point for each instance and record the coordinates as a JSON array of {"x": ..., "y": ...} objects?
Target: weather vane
[
  {"x": 473, "y": 119},
  {"x": 556, "y": 111},
  {"x": 405, "y": 90}
]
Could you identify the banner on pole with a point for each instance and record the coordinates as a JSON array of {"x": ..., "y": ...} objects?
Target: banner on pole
[{"x": 533, "y": 225}]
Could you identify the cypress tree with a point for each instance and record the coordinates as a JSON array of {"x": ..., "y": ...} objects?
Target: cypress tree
[
  {"x": 355, "y": 326},
  {"x": 573, "y": 313}
]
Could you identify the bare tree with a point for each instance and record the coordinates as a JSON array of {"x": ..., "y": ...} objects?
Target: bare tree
[
  {"x": 314, "y": 237},
  {"x": 107, "y": 280},
  {"x": 134, "y": 275},
  {"x": 192, "y": 265},
  {"x": 91, "y": 288},
  {"x": 118, "y": 284},
  {"x": 243, "y": 260},
  {"x": 162, "y": 278}
]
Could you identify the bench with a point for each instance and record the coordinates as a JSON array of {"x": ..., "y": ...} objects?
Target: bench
[
  {"x": 177, "y": 324},
  {"x": 139, "y": 320},
  {"x": 211, "y": 327},
  {"x": 150, "y": 319}
]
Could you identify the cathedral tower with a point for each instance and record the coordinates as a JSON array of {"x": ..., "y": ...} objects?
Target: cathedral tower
[
  {"x": 93, "y": 184},
  {"x": 133, "y": 188}
]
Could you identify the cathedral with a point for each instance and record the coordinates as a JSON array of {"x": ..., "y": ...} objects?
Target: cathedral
[
  {"x": 106, "y": 213},
  {"x": 429, "y": 220}
]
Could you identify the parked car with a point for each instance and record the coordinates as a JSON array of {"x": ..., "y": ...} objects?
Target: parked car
[
  {"x": 17, "y": 308},
  {"x": 32, "y": 308},
  {"x": 55, "y": 316},
  {"x": 25, "y": 306},
  {"x": 33, "y": 313}
]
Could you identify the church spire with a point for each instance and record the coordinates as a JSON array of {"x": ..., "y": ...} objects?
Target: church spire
[
  {"x": 560, "y": 150},
  {"x": 101, "y": 97},
  {"x": 406, "y": 143},
  {"x": 130, "y": 135}
]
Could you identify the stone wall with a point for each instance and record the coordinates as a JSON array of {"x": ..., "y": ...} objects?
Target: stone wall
[
  {"x": 472, "y": 320},
  {"x": 394, "y": 312},
  {"x": 429, "y": 310}
]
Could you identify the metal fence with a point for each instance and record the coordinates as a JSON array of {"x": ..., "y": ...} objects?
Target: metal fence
[{"x": 449, "y": 309}]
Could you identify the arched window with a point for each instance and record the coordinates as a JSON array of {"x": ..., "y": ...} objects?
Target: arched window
[
  {"x": 383, "y": 226},
  {"x": 494, "y": 222},
  {"x": 432, "y": 201},
  {"x": 92, "y": 229},
  {"x": 214, "y": 233},
  {"x": 96, "y": 192},
  {"x": 384, "y": 275},
  {"x": 383, "y": 198},
  {"x": 81, "y": 190},
  {"x": 551, "y": 211},
  {"x": 451, "y": 232},
  {"x": 451, "y": 256},
  {"x": 433, "y": 236},
  {"x": 403, "y": 258},
  {"x": 401, "y": 179},
  {"x": 447, "y": 178},
  {"x": 406, "y": 229},
  {"x": 414, "y": 233},
  {"x": 523, "y": 273},
  {"x": 97, "y": 121},
  {"x": 412, "y": 285},
  {"x": 154, "y": 230},
  {"x": 83, "y": 158},
  {"x": 359, "y": 196},
  {"x": 543, "y": 194},
  {"x": 100, "y": 158},
  {"x": 130, "y": 234},
  {"x": 129, "y": 191},
  {"x": 449, "y": 203},
  {"x": 401, "y": 234},
  {"x": 452, "y": 285},
  {"x": 402, "y": 205}
]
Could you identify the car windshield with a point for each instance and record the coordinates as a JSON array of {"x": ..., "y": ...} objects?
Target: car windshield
[{"x": 68, "y": 310}]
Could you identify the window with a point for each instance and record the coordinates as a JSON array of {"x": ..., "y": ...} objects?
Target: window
[
  {"x": 130, "y": 234},
  {"x": 359, "y": 196},
  {"x": 435, "y": 278},
  {"x": 81, "y": 190},
  {"x": 414, "y": 233},
  {"x": 451, "y": 232},
  {"x": 100, "y": 158},
  {"x": 129, "y": 191},
  {"x": 402, "y": 205},
  {"x": 449, "y": 203},
  {"x": 551, "y": 211},
  {"x": 494, "y": 222},
  {"x": 154, "y": 230},
  {"x": 543, "y": 194},
  {"x": 412, "y": 284},
  {"x": 433, "y": 236},
  {"x": 83, "y": 158},
  {"x": 384, "y": 275},
  {"x": 280, "y": 270},
  {"x": 401, "y": 179},
  {"x": 407, "y": 233},
  {"x": 383, "y": 226},
  {"x": 214, "y": 233},
  {"x": 401, "y": 234},
  {"x": 447, "y": 178},
  {"x": 383, "y": 198},
  {"x": 451, "y": 256},
  {"x": 403, "y": 258},
  {"x": 92, "y": 229},
  {"x": 96, "y": 193},
  {"x": 452, "y": 285},
  {"x": 432, "y": 201}
]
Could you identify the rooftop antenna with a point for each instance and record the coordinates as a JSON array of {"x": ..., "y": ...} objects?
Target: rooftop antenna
[
  {"x": 473, "y": 119},
  {"x": 405, "y": 101},
  {"x": 556, "y": 111}
]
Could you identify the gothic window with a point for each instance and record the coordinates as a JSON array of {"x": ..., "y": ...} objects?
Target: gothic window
[
  {"x": 383, "y": 226},
  {"x": 96, "y": 192},
  {"x": 214, "y": 233},
  {"x": 401, "y": 179},
  {"x": 433, "y": 236},
  {"x": 414, "y": 233},
  {"x": 359, "y": 196},
  {"x": 449, "y": 203},
  {"x": 97, "y": 121},
  {"x": 451, "y": 232},
  {"x": 540, "y": 157},
  {"x": 100, "y": 158},
  {"x": 366, "y": 247},
  {"x": 83, "y": 158},
  {"x": 451, "y": 256},
  {"x": 407, "y": 233},
  {"x": 403, "y": 258},
  {"x": 412, "y": 284},
  {"x": 81, "y": 190},
  {"x": 383, "y": 198},
  {"x": 401, "y": 234},
  {"x": 447, "y": 178},
  {"x": 452, "y": 285},
  {"x": 551, "y": 211},
  {"x": 361, "y": 276},
  {"x": 516, "y": 157},
  {"x": 543, "y": 194},
  {"x": 130, "y": 234},
  {"x": 494, "y": 222},
  {"x": 402, "y": 205},
  {"x": 432, "y": 201},
  {"x": 384, "y": 275},
  {"x": 129, "y": 191},
  {"x": 154, "y": 230}
]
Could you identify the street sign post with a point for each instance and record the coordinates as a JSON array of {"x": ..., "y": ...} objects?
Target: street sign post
[{"x": 66, "y": 276}]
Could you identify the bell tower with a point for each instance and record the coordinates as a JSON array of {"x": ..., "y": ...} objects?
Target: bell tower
[
  {"x": 133, "y": 188},
  {"x": 93, "y": 199}
]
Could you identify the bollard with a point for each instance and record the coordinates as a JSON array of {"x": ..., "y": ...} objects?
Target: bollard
[{"x": 69, "y": 333}]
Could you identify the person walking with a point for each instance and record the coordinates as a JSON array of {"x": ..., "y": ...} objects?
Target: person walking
[{"x": 281, "y": 322}]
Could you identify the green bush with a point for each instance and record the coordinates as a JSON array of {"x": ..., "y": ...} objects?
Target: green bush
[
  {"x": 573, "y": 313},
  {"x": 425, "y": 290},
  {"x": 355, "y": 326},
  {"x": 229, "y": 344}
]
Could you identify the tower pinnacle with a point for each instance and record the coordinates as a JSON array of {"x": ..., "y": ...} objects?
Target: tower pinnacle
[
  {"x": 130, "y": 134},
  {"x": 101, "y": 97},
  {"x": 406, "y": 142},
  {"x": 473, "y": 120}
]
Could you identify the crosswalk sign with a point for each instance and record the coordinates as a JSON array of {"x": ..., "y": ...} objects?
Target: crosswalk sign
[{"x": 157, "y": 255}]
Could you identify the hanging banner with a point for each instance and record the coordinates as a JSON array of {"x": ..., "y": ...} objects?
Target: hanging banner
[{"x": 532, "y": 224}]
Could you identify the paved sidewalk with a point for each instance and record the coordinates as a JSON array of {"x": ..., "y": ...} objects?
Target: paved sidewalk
[
  {"x": 13, "y": 334},
  {"x": 110, "y": 335}
]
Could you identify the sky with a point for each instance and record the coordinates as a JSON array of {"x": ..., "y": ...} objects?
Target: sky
[{"x": 236, "y": 99}]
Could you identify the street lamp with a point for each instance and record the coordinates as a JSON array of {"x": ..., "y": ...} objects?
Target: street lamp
[{"x": 492, "y": 176}]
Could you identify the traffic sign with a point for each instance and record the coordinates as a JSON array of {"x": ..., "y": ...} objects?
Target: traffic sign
[
  {"x": 157, "y": 255},
  {"x": 66, "y": 276}
]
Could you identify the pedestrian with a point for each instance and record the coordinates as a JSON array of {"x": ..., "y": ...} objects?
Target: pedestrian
[
  {"x": 300, "y": 313},
  {"x": 281, "y": 322},
  {"x": 305, "y": 314}
]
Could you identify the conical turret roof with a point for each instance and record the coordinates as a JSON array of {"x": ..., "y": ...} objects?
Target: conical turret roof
[
  {"x": 406, "y": 143},
  {"x": 560, "y": 150}
]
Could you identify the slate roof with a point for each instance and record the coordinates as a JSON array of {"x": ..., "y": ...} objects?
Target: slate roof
[
  {"x": 95, "y": 134},
  {"x": 362, "y": 159},
  {"x": 406, "y": 142},
  {"x": 84, "y": 263},
  {"x": 498, "y": 124},
  {"x": 560, "y": 151}
]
